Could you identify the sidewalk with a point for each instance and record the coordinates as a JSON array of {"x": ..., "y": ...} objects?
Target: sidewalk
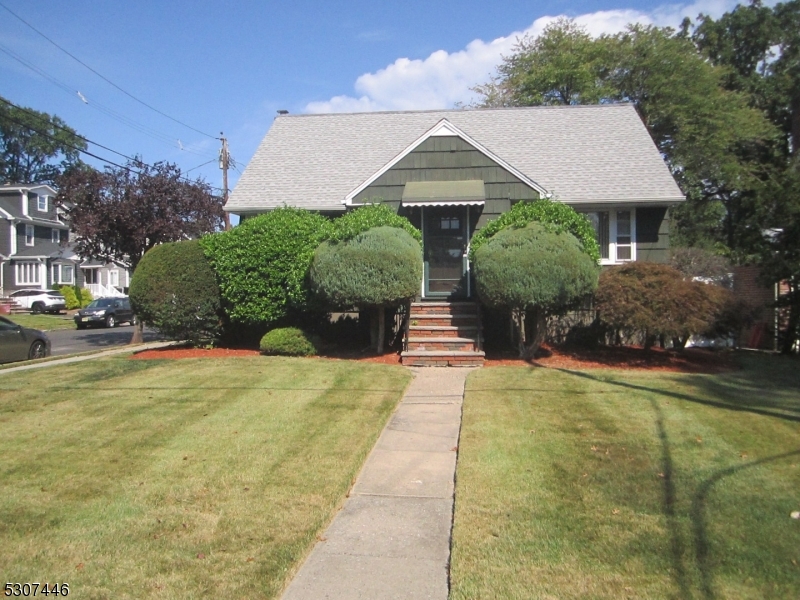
[{"x": 392, "y": 537}]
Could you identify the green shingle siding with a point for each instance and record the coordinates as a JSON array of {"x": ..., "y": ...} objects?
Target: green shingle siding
[
  {"x": 449, "y": 158},
  {"x": 652, "y": 234}
]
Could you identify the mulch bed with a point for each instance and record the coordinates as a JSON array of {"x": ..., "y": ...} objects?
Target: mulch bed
[{"x": 691, "y": 360}]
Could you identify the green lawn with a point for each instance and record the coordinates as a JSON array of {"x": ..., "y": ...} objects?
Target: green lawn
[
  {"x": 180, "y": 479},
  {"x": 44, "y": 322},
  {"x": 612, "y": 484}
]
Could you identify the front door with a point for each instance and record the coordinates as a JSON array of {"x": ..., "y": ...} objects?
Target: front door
[{"x": 445, "y": 238}]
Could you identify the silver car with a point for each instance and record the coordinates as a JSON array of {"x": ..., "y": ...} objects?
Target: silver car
[{"x": 21, "y": 343}]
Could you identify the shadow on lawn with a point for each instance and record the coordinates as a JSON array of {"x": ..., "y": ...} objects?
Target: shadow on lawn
[{"x": 736, "y": 392}]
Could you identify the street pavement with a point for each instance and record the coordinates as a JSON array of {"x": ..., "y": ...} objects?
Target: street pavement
[{"x": 71, "y": 341}]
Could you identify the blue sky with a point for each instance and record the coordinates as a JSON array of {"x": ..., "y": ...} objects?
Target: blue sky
[{"x": 229, "y": 66}]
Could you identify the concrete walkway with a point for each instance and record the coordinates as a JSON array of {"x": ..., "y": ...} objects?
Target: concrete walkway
[{"x": 392, "y": 537}]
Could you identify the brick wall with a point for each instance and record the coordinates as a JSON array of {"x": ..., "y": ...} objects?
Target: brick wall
[{"x": 747, "y": 287}]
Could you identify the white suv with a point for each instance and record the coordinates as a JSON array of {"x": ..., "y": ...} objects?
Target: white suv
[{"x": 39, "y": 301}]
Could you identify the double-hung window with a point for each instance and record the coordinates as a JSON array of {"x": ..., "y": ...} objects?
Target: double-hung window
[
  {"x": 29, "y": 235},
  {"x": 56, "y": 236},
  {"x": 41, "y": 203},
  {"x": 616, "y": 231},
  {"x": 63, "y": 274}
]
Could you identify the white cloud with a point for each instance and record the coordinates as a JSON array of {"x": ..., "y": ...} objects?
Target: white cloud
[{"x": 445, "y": 78}]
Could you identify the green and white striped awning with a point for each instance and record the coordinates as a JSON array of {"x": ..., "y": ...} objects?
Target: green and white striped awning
[{"x": 444, "y": 193}]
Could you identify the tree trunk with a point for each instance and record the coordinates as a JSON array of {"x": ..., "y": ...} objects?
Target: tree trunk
[
  {"x": 138, "y": 333},
  {"x": 373, "y": 328},
  {"x": 381, "y": 328},
  {"x": 648, "y": 341},
  {"x": 532, "y": 327}
]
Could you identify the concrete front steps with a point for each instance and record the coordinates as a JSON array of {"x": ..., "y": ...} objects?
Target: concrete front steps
[
  {"x": 9, "y": 306},
  {"x": 443, "y": 334}
]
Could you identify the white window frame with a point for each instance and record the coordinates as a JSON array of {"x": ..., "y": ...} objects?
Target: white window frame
[
  {"x": 55, "y": 236},
  {"x": 28, "y": 273},
  {"x": 612, "y": 234},
  {"x": 40, "y": 200},
  {"x": 30, "y": 235},
  {"x": 58, "y": 271},
  {"x": 113, "y": 278}
]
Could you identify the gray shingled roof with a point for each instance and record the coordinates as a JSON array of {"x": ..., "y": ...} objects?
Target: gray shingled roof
[{"x": 582, "y": 154}]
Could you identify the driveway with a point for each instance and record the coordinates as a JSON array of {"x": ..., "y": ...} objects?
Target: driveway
[{"x": 70, "y": 341}]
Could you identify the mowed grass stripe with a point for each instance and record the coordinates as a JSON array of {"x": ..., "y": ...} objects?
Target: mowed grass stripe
[
  {"x": 119, "y": 488},
  {"x": 629, "y": 484}
]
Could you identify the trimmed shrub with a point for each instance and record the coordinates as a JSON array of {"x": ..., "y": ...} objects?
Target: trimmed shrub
[
  {"x": 654, "y": 300},
  {"x": 553, "y": 216},
  {"x": 261, "y": 264},
  {"x": 174, "y": 290},
  {"x": 288, "y": 341},
  {"x": 377, "y": 268},
  {"x": 70, "y": 298},
  {"x": 533, "y": 272},
  {"x": 367, "y": 217}
]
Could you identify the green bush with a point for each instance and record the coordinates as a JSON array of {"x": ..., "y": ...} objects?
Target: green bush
[
  {"x": 70, "y": 298},
  {"x": 288, "y": 341},
  {"x": 377, "y": 268},
  {"x": 367, "y": 217},
  {"x": 86, "y": 297},
  {"x": 553, "y": 216},
  {"x": 532, "y": 272},
  {"x": 654, "y": 300},
  {"x": 261, "y": 264},
  {"x": 174, "y": 290}
]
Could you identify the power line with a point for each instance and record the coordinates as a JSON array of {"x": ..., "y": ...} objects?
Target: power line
[
  {"x": 83, "y": 151},
  {"x": 97, "y": 106},
  {"x": 104, "y": 78}
]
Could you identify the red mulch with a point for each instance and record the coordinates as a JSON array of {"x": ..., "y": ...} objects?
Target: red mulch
[{"x": 691, "y": 360}]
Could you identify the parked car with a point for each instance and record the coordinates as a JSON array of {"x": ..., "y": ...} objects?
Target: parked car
[
  {"x": 21, "y": 343},
  {"x": 106, "y": 312},
  {"x": 39, "y": 301}
]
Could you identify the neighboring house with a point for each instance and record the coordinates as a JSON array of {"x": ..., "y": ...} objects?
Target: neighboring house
[
  {"x": 34, "y": 246},
  {"x": 451, "y": 171}
]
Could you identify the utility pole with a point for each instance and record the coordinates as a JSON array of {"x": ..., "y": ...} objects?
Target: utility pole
[{"x": 224, "y": 162}]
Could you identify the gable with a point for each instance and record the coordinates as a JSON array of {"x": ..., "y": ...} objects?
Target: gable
[{"x": 446, "y": 158}]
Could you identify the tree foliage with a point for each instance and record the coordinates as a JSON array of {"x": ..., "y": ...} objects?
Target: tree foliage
[
  {"x": 366, "y": 217},
  {"x": 533, "y": 271},
  {"x": 262, "y": 264},
  {"x": 121, "y": 213},
  {"x": 175, "y": 291},
  {"x": 35, "y": 147},
  {"x": 377, "y": 268},
  {"x": 654, "y": 300},
  {"x": 553, "y": 216}
]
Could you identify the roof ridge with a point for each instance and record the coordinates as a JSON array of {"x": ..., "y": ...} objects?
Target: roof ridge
[{"x": 461, "y": 110}]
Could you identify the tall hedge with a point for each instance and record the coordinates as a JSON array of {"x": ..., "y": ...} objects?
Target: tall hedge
[
  {"x": 261, "y": 264},
  {"x": 533, "y": 271},
  {"x": 174, "y": 290},
  {"x": 377, "y": 268},
  {"x": 366, "y": 217},
  {"x": 553, "y": 216}
]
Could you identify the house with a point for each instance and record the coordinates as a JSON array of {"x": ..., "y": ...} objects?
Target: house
[
  {"x": 451, "y": 171},
  {"x": 35, "y": 249}
]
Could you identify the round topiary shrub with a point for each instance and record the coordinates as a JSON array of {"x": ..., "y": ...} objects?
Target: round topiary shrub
[
  {"x": 288, "y": 341},
  {"x": 377, "y": 268},
  {"x": 367, "y": 217},
  {"x": 554, "y": 216},
  {"x": 261, "y": 264},
  {"x": 533, "y": 272},
  {"x": 174, "y": 290}
]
